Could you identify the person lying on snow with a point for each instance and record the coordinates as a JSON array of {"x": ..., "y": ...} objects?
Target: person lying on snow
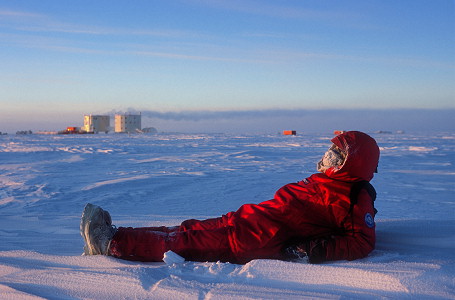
[{"x": 327, "y": 216}]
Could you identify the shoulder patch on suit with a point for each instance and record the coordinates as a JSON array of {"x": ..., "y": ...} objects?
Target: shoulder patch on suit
[{"x": 369, "y": 220}]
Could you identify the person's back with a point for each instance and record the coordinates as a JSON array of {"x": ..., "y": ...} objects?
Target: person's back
[{"x": 339, "y": 224}]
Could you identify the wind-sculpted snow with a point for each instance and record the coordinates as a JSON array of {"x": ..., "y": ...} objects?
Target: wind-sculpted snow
[{"x": 151, "y": 180}]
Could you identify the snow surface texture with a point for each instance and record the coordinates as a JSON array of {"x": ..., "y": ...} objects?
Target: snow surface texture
[{"x": 150, "y": 180}]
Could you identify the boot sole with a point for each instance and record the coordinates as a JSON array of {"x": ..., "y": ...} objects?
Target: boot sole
[{"x": 87, "y": 214}]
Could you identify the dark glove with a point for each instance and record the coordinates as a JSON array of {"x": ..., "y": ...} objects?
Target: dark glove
[
  {"x": 313, "y": 251},
  {"x": 317, "y": 251},
  {"x": 296, "y": 252}
]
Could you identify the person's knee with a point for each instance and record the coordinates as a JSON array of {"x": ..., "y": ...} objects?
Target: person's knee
[{"x": 187, "y": 224}]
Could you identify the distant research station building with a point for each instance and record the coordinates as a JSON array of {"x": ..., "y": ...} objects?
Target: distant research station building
[
  {"x": 96, "y": 123},
  {"x": 127, "y": 123}
]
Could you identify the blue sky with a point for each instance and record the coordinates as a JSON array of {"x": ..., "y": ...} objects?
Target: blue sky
[{"x": 62, "y": 59}]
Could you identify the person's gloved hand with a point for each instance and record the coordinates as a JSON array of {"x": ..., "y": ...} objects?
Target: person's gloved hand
[
  {"x": 296, "y": 252},
  {"x": 316, "y": 250},
  {"x": 312, "y": 251}
]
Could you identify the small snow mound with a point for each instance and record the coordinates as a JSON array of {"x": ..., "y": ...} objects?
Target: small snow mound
[
  {"x": 114, "y": 181},
  {"x": 422, "y": 149},
  {"x": 171, "y": 258}
]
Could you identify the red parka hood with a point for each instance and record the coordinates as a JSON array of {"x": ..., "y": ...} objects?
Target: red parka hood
[{"x": 362, "y": 157}]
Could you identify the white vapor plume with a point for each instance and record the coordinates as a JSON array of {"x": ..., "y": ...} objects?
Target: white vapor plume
[{"x": 204, "y": 115}]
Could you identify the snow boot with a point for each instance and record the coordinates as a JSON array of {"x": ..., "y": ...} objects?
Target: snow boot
[{"x": 97, "y": 230}]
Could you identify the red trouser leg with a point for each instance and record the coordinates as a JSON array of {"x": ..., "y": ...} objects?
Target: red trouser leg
[
  {"x": 143, "y": 244},
  {"x": 139, "y": 244},
  {"x": 191, "y": 224},
  {"x": 165, "y": 229},
  {"x": 208, "y": 224}
]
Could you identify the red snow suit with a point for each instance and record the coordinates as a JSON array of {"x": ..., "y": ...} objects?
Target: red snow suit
[{"x": 315, "y": 208}]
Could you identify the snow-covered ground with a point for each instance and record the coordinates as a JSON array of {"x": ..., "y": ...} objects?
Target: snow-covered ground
[{"x": 148, "y": 180}]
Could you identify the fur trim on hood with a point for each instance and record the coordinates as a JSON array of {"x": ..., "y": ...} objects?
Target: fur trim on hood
[{"x": 362, "y": 157}]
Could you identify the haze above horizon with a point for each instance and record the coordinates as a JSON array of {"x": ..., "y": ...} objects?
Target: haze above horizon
[{"x": 61, "y": 60}]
